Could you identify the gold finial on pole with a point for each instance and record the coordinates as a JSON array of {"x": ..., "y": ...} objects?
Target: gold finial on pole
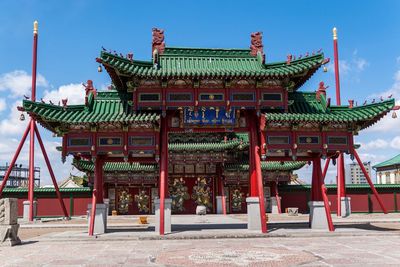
[
  {"x": 334, "y": 30},
  {"x": 35, "y": 27}
]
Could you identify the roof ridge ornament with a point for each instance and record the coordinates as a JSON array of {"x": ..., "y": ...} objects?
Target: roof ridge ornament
[
  {"x": 158, "y": 41},
  {"x": 256, "y": 45},
  {"x": 321, "y": 90}
]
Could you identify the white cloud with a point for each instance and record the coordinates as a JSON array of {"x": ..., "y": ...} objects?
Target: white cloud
[
  {"x": 3, "y": 104},
  {"x": 395, "y": 143},
  {"x": 352, "y": 66},
  {"x": 375, "y": 144},
  {"x": 12, "y": 124},
  {"x": 75, "y": 93},
  {"x": 360, "y": 64},
  {"x": 19, "y": 83}
]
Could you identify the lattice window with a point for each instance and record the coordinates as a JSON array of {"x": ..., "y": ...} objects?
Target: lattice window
[
  {"x": 272, "y": 97},
  {"x": 79, "y": 141},
  {"x": 278, "y": 140},
  {"x": 155, "y": 97}
]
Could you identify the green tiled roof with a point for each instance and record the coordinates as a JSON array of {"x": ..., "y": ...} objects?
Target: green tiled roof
[
  {"x": 87, "y": 166},
  {"x": 393, "y": 161},
  {"x": 108, "y": 106},
  {"x": 305, "y": 107},
  {"x": 46, "y": 190},
  {"x": 269, "y": 166},
  {"x": 199, "y": 62}
]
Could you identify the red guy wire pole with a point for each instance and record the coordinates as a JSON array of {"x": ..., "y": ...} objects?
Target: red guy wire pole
[
  {"x": 21, "y": 144},
  {"x": 369, "y": 181},
  {"x": 46, "y": 158},
  {"x": 328, "y": 160},
  {"x": 92, "y": 213}
]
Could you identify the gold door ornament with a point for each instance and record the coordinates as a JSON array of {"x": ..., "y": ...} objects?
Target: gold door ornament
[
  {"x": 237, "y": 199},
  {"x": 202, "y": 192},
  {"x": 124, "y": 200},
  {"x": 142, "y": 200},
  {"x": 178, "y": 192}
]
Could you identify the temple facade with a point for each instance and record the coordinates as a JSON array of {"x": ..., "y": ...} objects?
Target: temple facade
[{"x": 203, "y": 127}]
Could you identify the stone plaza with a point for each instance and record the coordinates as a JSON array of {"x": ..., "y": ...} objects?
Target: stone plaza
[{"x": 210, "y": 240}]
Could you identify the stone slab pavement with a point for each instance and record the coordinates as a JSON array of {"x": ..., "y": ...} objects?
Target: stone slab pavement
[
  {"x": 212, "y": 240},
  {"x": 305, "y": 251}
]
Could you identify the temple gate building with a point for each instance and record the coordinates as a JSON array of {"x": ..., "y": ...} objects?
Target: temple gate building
[{"x": 204, "y": 127}]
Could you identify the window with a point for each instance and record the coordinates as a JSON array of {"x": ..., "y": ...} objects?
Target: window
[
  {"x": 337, "y": 140},
  {"x": 79, "y": 141},
  {"x": 243, "y": 97},
  {"x": 142, "y": 141},
  {"x": 272, "y": 97},
  {"x": 110, "y": 141},
  {"x": 278, "y": 140},
  {"x": 211, "y": 97},
  {"x": 179, "y": 97},
  {"x": 149, "y": 97},
  {"x": 308, "y": 140}
]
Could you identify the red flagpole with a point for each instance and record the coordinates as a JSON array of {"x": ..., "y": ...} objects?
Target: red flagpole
[
  {"x": 32, "y": 125},
  {"x": 340, "y": 166}
]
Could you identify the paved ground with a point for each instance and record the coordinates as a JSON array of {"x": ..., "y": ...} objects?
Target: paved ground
[{"x": 356, "y": 242}]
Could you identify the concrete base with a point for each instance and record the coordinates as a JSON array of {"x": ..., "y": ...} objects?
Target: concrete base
[
  {"x": 26, "y": 210},
  {"x": 9, "y": 235},
  {"x": 345, "y": 206},
  {"x": 100, "y": 219},
  {"x": 219, "y": 204},
  {"x": 167, "y": 215},
  {"x": 253, "y": 213},
  {"x": 317, "y": 215},
  {"x": 274, "y": 205}
]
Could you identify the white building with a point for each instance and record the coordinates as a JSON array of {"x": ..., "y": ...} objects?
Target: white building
[
  {"x": 388, "y": 172},
  {"x": 354, "y": 174}
]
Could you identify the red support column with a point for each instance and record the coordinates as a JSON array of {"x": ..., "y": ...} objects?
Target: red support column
[
  {"x": 257, "y": 164},
  {"x": 322, "y": 196},
  {"x": 98, "y": 179},
  {"x": 92, "y": 213},
  {"x": 369, "y": 181},
  {"x": 221, "y": 185},
  {"x": 163, "y": 171},
  {"x": 12, "y": 164},
  {"x": 46, "y": 158},
  {"x": 253, "y": 191},
  {"x": 278, "y": 202}
]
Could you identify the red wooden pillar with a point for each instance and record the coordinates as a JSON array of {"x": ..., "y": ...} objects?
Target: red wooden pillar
[
  {"x": 163, "y": 171},
  {"x": 98, "y": 179},
  {"x": 316, "y": 181},
  {"x": 275, "y": 192},
  {"x": 257, "y": 164},
  {"x": 319, "y": 190},
  {"x": 253, "y": 190}
]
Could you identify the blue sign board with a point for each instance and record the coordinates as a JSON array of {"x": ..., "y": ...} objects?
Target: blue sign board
[{"x": 209, "y": 116}]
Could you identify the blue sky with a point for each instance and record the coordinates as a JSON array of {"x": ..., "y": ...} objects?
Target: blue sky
[{"x": 71, "y": 34}]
